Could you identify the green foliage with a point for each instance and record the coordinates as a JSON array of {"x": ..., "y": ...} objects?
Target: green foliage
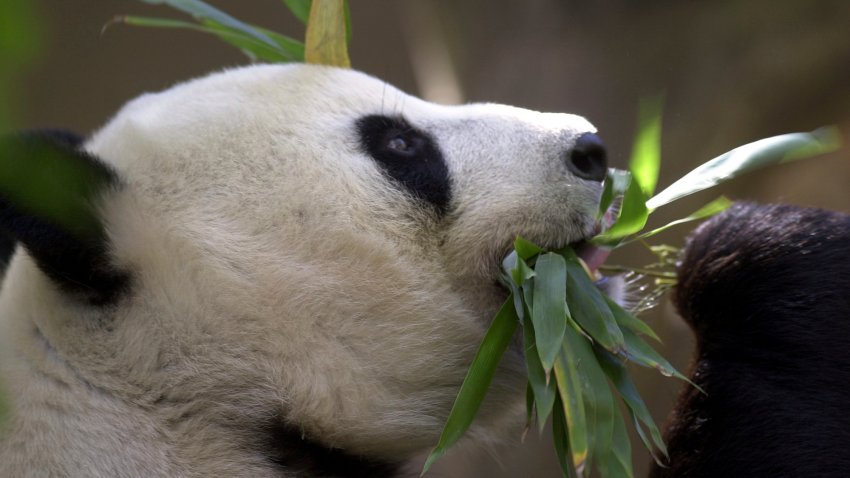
[
  {"x": 327, "y": 38},
  {"x": 49, "y": 182},
  {"x": 299, "y": 8},
  {"x": 547, "y": 315},
  {"x": 749, "y": 157},
  {"x": 477, "y": 380},
  {"x": 645, "y": 162},
  {"x": 637, "y": 184},
  {"x": 588, "y": 349},
  {"x": 19, "y": 43}
]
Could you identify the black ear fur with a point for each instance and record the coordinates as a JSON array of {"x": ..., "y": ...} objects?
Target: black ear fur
[{"x": 47, "y": 187}]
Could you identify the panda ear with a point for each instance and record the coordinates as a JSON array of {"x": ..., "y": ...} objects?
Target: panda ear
[{"x": 48, "y": 186}]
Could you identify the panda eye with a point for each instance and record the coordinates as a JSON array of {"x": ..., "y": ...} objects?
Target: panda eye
[
  {"x": 397, "y": 144},
  {"x": 403, "y": 144},
  {"x": 408, "y": 156}
]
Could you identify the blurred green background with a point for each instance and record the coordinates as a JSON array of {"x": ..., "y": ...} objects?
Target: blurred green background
[{"x": 733, "y": 71}]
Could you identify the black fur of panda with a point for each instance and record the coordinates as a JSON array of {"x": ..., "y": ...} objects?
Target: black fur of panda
[{"x": 766, "y": 290}]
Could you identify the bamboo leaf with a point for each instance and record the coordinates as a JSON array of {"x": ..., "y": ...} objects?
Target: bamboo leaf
[
  {"x": 616, "y": 184},
  {"x": 632, "y": 218},
  {"x": 619, "y": 376},
  {"x": 587, "y": 305},
  {"x": 521, "y": 273},
  {"x": 477, "y": 380},
  {"x": 292, "y": 48},
  {"x": 570, "y": 393},
  {"x": 752, "y": 156},
  {"x": 627, "y": 321},
  {"x": 543, "y": 389},
  {"x": 50, "y": 181},
  {"x": 641, "y": 353},
  {"x": 526, "y": 249},
  {"x": 327, "y": 34},
  {"x": 645, "y": 162},
  {"x": 299, "y": 8},
  {"x": 561, "y": 438},
  {"x": 714, "y": 207},
  {"x": 598, "y": 399},
  {"x": 253, "y": 48},
  {"x": 617, "y": 460},
  {"x": 202, "y": 11},
  {"x": 549, "y": 311}
]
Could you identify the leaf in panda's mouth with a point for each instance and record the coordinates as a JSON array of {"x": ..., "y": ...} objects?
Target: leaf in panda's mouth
[
  {"x": 577, "y": 340},
  {"x": 574, "y": 338}
]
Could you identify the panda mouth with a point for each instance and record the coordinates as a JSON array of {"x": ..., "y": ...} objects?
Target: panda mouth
[{"x": 591, "y": 256}]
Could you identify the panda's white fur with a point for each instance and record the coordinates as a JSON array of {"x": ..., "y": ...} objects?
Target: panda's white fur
[{"x": 279, "y": 276}]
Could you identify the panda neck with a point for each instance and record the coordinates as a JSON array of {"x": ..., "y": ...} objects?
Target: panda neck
[{"x": 117, "y": 433}]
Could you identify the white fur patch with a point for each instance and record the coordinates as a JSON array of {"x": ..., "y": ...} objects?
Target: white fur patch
[{"x": 277, "y": 273}]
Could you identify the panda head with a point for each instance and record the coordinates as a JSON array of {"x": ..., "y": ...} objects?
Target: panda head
[{"x": 303, "y": 247}]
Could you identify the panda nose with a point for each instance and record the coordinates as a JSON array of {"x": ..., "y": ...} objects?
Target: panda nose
[{"x": 588, "y": 159}]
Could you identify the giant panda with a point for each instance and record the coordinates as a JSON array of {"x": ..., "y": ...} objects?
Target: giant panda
[
  {"x": 766, "y": 290},
  {"x": 286, "y": 272}
]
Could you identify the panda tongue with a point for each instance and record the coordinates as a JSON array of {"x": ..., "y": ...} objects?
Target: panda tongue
[{"x": 592, "y": 256}]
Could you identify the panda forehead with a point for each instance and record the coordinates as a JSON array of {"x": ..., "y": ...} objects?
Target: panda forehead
[
  {"x": 263, "y": 94},
  {"x": 351, "y": 93}
]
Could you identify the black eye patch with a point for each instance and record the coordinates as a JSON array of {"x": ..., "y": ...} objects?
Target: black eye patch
[{"x": 408, "y": 156}]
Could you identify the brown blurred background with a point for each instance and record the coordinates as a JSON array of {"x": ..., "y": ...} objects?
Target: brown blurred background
[{"x": 732, "y": 71}]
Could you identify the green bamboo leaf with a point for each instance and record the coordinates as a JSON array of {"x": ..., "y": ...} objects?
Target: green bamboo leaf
[
  {"x": 327, "y": 32},
  {"x": 299, "y": 8},
  {"x": 617, "y": 460},
  {"x": 765, "y": 152},
  {"x": 641, "y": 353},
  {"x": 543, "y": 389},
  {"x": 633, "y": 215},
  {"x": 645, "y": 162},
  {"x": 288, "y": 49},
  {"x": 714, "y": 207},
  {"x": 619, "y": 376},
  {"x": 50, "y": 181},
  {"x": 529, "y": 406},
  {"x": 477, "y": 380},
  {"x": 519, "y": 306},
  {"x": 521, "y": 272},
  {"x": 587, "y": 305},
  {"x": 627, "y": 321},
  {"x": 519, "y": 279},
  {"x": 570, "y": 393},
  {"x": 253, "y": 48},
  {"x": 202, "y": 11},
  {"x": 598, "y": 400},
  {"x": 292, "y": 48},
  {"x": 647, "y": 443},
  {"x": 549, "y": 306},
  {"x": 561, "y": 438},
  {"x": 616, "y": 184},
  {"x": 526, "y": 249}
]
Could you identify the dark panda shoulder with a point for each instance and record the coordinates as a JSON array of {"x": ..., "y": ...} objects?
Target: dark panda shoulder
[{"x": 766, "y": 290}]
